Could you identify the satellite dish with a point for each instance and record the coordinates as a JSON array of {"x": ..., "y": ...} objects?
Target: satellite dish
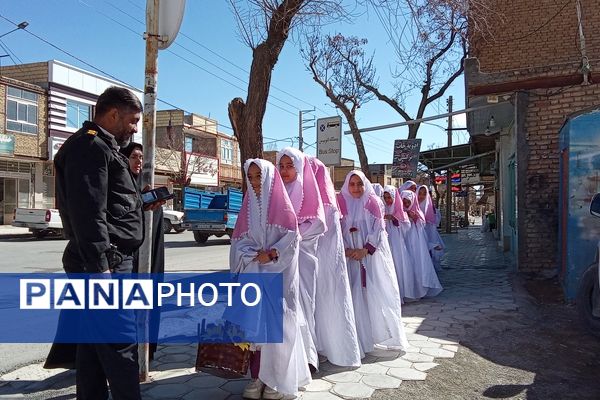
[{"x": 170, "y": 15}]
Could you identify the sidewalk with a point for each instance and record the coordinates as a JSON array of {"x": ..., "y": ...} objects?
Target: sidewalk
[
  {"x": 477, "y": 282},
  {"x": 9, "y": 231}
]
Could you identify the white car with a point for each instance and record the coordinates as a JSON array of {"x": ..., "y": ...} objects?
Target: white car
[
  {"x": 172, "y": 221},
  {"x": 40, "y": 221}
]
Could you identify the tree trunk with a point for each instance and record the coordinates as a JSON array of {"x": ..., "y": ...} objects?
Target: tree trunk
[{"x": 360, "y": 147}]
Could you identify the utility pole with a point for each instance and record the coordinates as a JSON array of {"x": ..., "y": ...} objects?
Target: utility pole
[
  {"x": 148, "y": 141},
  {"x": 449, "y": 174},
  {"x": 302, "y": 128}
]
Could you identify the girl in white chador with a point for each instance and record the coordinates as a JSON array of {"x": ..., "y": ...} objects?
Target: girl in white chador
[
  {"x": 397, "y": 226},
  {"x": 427, "y": 282},
  {"x": 375, "y": 295},
  {"x": 436, "y": 244},
  {"x": 265, "y": 239},
  {"x": 301, "y": 186},
  {"x": 334, "y": 315}
]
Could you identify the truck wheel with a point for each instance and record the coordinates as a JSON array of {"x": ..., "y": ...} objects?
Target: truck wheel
[
  {"x": 39, "y": 233},
  {"x": 588, "y": 296},
  {"x": 200, "y": 237},
  {"x": 229, "y": 232},
  {"x": 178, "y": 228},
  {"x": 167, "y": 226}
]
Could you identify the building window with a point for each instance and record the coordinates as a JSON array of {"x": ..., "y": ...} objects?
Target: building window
[
  {"x": 226, "y": 151},
  {"x": 21, "y": 111},
  {"x": 189, "y": 144},
  {"x": 77, "y": 113}
]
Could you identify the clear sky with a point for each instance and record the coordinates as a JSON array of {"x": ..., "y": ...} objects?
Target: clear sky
[{"x": 208, "y": 65}]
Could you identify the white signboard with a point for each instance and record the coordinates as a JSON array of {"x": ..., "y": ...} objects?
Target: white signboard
[
  {"x": 54, "y": 144},
  {"x": 329, "y": 140},
  {"x": 203, "y": 170}
]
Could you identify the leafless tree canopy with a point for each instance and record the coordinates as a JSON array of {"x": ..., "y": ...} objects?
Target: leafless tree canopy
[
  {"x": 429, "y": 39},
  {"x": 257, "y": 18},
  {"x": 338, "y": 64}
]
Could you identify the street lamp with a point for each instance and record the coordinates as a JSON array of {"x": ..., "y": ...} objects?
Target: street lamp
[{"x": 22, "y": 25}]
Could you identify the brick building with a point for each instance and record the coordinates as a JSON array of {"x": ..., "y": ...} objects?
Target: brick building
[
  {"x": 23, "y": 146},
  {"x": 531, "y": 75}
]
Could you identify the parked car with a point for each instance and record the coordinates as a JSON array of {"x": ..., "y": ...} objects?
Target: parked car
[
  {"x": 172, "y": 220},
  {"x": 210, "y": 213},
  {"x": 40, "y": 221}
]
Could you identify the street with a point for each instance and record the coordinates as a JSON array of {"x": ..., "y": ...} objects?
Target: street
[{"x": 27, "y": 254}]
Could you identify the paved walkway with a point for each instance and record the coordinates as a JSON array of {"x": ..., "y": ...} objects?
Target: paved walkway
[{"x": 477, "y": 285}]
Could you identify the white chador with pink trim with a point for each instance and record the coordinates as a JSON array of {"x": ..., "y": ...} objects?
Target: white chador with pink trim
[
  {"x": 427, "y": 282},
  {"x": 306, "y": 200},
  {"x": 334, "y": 314},
  {"x": 376, "y": 299},
  {"x": 397, "y": 227},
  {"x": 268, "y": 222},
  {"x": 434, "y": 240}
]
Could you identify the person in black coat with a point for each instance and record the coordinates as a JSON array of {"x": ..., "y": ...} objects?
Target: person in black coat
[{"x": 135, "y": 154}]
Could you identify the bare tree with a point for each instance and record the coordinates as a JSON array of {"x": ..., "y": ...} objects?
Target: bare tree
[
  {"x": 335, "y": 63},
  {"x": 430, "y": 42},
  {"x": 265, "y": 25}
]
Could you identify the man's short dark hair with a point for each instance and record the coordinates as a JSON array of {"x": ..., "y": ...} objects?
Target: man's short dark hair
[{"x": 120, "y": 98}]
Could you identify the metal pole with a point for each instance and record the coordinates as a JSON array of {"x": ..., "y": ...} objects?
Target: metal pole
[
  {"x": 148, "y": 139},
  {"x": 449, "y": 173},
  {"x": 467, "y": 207},
  {"x": 300, "y": 137}
]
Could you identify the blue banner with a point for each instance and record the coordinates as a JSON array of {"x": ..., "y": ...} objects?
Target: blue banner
[{"x": 113, "y": 308}]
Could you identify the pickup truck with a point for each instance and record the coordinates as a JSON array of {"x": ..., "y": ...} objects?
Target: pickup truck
[
  {"x": 209, "y": 213},
  {"x": 40, "y": 221},
  {"x": 172, "y": 221}
]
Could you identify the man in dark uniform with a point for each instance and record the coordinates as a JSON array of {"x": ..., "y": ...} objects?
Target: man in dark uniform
[{"x": 101, "y": 210}]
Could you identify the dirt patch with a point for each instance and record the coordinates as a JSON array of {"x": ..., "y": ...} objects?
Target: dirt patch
[{"x": 512, "y": 355}]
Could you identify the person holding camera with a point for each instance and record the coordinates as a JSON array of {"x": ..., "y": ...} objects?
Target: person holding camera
[{"x": 102, "y": 214}]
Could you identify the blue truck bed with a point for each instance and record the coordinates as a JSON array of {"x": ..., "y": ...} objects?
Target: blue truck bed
[{"x": 209, "y": 213}]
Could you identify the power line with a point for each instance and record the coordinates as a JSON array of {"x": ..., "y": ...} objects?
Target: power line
[
  {"x": 228, "y": 61},
  {"x": 185, "y": 59},
  {"x": 96, "y": 68}
]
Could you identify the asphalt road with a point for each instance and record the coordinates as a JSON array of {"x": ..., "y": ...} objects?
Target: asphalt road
[{"x": 26, "y": 255}]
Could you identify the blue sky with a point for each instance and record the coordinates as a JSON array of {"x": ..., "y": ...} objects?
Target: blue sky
[{"x": 202, "y": 72}]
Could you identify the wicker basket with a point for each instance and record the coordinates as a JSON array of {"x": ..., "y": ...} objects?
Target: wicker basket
[{"x": 225, "y": 360}]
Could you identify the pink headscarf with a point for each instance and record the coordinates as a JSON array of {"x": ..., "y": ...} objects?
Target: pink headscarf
[
  {"x": 304, "y": 191},
  {"x": 272, "y": 207},
  {"x": 414, "y": 206},
  {"x": 427, "y": 206},
  {"x": 324, "y": 182},
  {"x": 369, "y": 201},
  {"x": 397, "y": 208}
]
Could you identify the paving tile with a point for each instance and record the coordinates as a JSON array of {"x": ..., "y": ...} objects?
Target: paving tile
[
  {"x": 319, "y": 385},
  {"x": 443, "y": 341},
  {"x": 353, "y": 390},
  {"x": 380, "y": 353},
  {"x": 235, "y": 387},
  {"x": 170, "y": 366},
  {"x": 372, "y": 369},
  {"x": 450, "y": 347},
  {"x": 319, "y": 396},
  {"x": 414, "y": 357},
  {"x": 381, "y": 381},
  {"x": 407, "y": 374},
  {"x": 332, "y": 368},
  {"x": 425, "y": 344},
  {"x": 169, "y": 391},
  {"x": 343, "y": 377},
  {"x": 438, "y": 353},
  {"x": 397, "y": 363},
  {"x": 181, "y": 374},
  {"x": 206, "y": 381},
  {"x": 175, "y": 358},
  {"x": 207, "y": 394},
  {"x": 424, "y": 366},
  {"x": 176, "y": 350}
]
